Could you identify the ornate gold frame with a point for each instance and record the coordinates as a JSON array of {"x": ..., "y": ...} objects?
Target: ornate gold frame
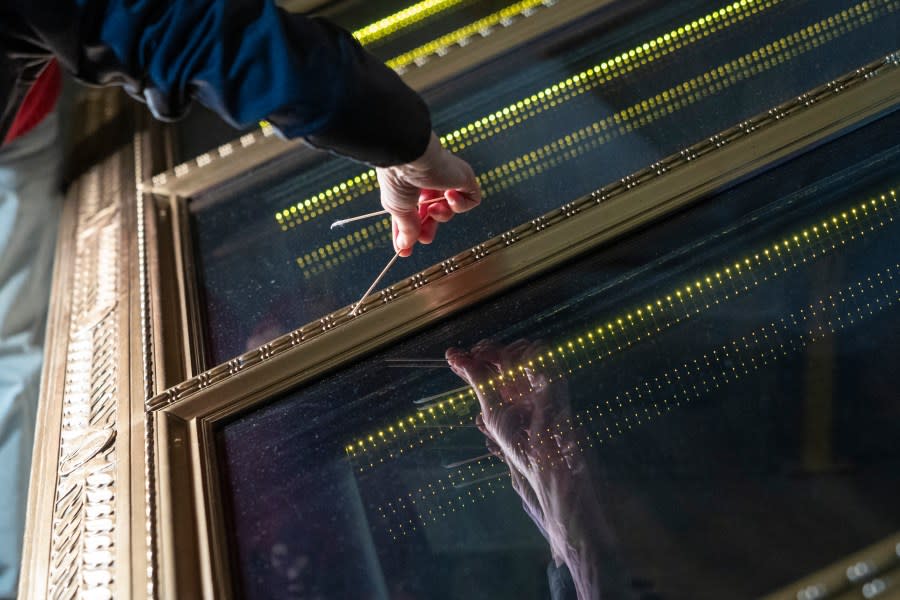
[
  {"x": 123, "y": 503},
  {"x": 87, "y": 530}
]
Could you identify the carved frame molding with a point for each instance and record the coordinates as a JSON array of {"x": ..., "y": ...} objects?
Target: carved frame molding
[{"x": 89, "y": 531}]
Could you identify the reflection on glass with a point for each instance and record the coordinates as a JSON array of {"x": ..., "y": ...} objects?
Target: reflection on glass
[
  {"x": 526, "y": 418},
  {"x": 541, "y": 130},
  {"x": 705, "y": 409}
]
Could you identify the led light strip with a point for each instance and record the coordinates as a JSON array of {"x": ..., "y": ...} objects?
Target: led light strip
[
  {"x": 695, "y": 382},
  {"x": 479, "y": 27},
  {"x": 622, "y": 123},
  {"x": 407, "y": 17},
  {"x": 645, "y": 321},
  {"x": 539, "y": 102},
  {"x": 730, "y": 354},
  {"x": 355, "y": 244}
]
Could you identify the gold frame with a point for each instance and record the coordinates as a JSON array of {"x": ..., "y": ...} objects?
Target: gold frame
[
  {"x": 185, "y": 416},
  {"x": 86, "y": 531},
  {"x": 124, "y": 504}
]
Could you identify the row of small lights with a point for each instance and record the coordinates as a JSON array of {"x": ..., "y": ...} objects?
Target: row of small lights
[
  {"x": 361, "y": 236},
  {"x": 659, "y": 106},
  {"x": 728, "y": 352},
  {"x": 682, "y": 300},
  {"x": 593, "y": 136},
  {"x": 767, "y": 333},
  {"x": 459, "y": 36},
  {"x": 731, "y": 350},
  {"x": 543, "y": 100},
  {"x": 411, "y": 15},
  {"x": 426, "y": 509}
]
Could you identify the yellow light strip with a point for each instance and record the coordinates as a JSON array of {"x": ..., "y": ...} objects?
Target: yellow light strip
[
  {"x": 407, "y": 17},
  {"x": 622, "y": 123},
  {"x": 694, "y": 381},
  {"x": 682, "y": 303},
  {"x": 540, "y": 101},
  {"x": 730, "y": 354},
  {"x": 455, "y": 37}
]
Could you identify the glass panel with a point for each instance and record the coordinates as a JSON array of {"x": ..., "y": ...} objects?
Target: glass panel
[
  {"x": 541, "y": 129},
  {"x": 704, "y": 409}
]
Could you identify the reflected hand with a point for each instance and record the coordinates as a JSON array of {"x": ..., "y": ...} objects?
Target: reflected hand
[
  {"x": 436, "y": 173},
  {"x": 527, "y": 420}
]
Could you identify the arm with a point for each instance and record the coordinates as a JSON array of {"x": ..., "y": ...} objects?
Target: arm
[
  {"x": 245, "y": 59},
  {"x": 249, "y": 60},
  {"x": 528, "y": 423}
]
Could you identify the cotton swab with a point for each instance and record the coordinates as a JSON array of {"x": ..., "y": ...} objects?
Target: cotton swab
[
  {"x": 377, "y": 213},
  {"x": 374, "y": 283}
]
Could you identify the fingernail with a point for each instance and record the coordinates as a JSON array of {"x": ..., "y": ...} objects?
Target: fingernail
[{"x": 402, "y": 241}]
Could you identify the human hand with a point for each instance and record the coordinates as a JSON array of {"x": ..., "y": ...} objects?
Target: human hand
[
  {"x": 404, "y": 188},
  {"x": 527, "y": 420}
]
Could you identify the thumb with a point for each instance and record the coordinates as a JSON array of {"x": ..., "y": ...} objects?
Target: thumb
[{"x": 400, "y": 199}]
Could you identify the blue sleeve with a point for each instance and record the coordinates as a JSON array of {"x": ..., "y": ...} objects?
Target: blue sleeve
[{"x": 247, "y": 60}]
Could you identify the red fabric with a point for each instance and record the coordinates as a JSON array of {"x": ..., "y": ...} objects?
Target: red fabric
[{"x": 38, "y": 103}]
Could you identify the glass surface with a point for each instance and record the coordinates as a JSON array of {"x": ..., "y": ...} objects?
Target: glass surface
[
  {"x": 541, "y": 130},
  {"x": 705, "y": 409}
]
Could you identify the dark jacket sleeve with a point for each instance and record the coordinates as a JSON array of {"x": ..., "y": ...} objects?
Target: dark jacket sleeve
[{"x": 245, "y": 59}]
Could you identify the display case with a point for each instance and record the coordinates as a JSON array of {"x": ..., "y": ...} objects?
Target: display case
[{"x": 655, "y": 363}]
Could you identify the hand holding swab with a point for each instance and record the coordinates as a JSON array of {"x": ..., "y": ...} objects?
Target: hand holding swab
[
  {"x": 425, "y": 220},
  {"x": 378, "y": 213}
]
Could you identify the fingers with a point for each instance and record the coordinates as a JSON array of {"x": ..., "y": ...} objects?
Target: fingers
[
  {"x": 494, "y": 448},
  {"x": 507, "y": 360},
  {"x": 404, "y": 252},
  {"x": 432, "y": 214},
  {"x": 437, "y": 173},
  {"x": 460, "y": 202},
  {"x": 476, "y": 373},
  {"x": 460, "y": 186},
  {"x": 400, "y": 198},
  {"x": 427, "y": 195},
  {"x": 428, "y": 231},
  {"x": 440, "y": 211}
]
